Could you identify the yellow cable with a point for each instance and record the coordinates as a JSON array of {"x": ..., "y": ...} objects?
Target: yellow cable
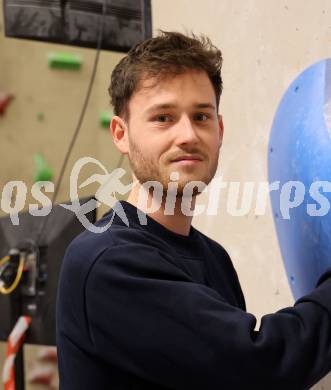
[
  {"x": 19, "y": 274},
  {"x": 4, "y": 260}
]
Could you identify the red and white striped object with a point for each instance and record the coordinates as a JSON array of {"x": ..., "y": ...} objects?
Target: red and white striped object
[{"x": 15, "y": 341}]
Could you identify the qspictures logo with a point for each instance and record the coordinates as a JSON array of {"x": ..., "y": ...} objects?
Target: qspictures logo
[{"x": 241, "y": 197}]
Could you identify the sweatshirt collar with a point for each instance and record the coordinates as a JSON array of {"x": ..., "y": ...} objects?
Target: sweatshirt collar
[{"x": 189, "y": 244}]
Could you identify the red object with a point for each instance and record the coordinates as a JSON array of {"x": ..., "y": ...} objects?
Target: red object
[
  {"x": 48, "y": 354},
  {"x": 4, "y": 101},
  {"x": 44, "y": 370},
  {"x": 15, "y": 341}
]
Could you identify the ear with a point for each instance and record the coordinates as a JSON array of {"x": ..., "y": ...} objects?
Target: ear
[
  {"x": 221, "y": 128},
  {"x": 119, "y": 131}
]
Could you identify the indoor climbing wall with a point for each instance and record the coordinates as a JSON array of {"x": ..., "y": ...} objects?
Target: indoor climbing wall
[
  {"x": 42, "y": 92},
  {"x": 265, "y": 45}
]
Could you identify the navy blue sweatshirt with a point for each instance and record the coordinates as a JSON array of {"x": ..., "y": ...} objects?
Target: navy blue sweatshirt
[{"x": 141, "y": 307}]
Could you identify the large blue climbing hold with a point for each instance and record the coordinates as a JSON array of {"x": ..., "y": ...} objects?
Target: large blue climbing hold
[{"x": 300, "y": 159}]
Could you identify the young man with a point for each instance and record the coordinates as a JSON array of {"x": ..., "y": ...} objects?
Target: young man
[{"x": 156, "y": 304}]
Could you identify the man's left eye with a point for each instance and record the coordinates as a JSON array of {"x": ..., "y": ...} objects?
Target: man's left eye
[{"x": 201, "y": 117}]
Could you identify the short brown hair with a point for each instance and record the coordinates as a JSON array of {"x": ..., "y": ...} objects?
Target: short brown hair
[{"x": 167, "y": 54}]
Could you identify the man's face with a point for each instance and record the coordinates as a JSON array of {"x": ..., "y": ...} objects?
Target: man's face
[{"x": 174, "y": 127}]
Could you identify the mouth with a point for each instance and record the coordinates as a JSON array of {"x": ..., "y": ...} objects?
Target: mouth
[{"x": 193, "y": 158}]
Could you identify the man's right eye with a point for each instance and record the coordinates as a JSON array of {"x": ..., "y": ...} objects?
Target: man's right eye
[{"x": 162, "y": 118}]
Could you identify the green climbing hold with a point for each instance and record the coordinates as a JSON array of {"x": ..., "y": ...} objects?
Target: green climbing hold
[
  {"x": 105, "y": 118},
  {"x": 43, "y": 172},
  {"x": 64, "y": 61}
]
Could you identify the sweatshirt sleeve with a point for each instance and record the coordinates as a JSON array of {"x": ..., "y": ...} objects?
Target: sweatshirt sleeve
[{"x": 147, "y": 317}]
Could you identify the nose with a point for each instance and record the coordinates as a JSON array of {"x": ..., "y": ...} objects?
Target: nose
[{"x": 186, "y": 133}]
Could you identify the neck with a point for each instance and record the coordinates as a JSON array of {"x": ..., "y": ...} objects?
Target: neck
[{"x": 168, "y": 214}]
